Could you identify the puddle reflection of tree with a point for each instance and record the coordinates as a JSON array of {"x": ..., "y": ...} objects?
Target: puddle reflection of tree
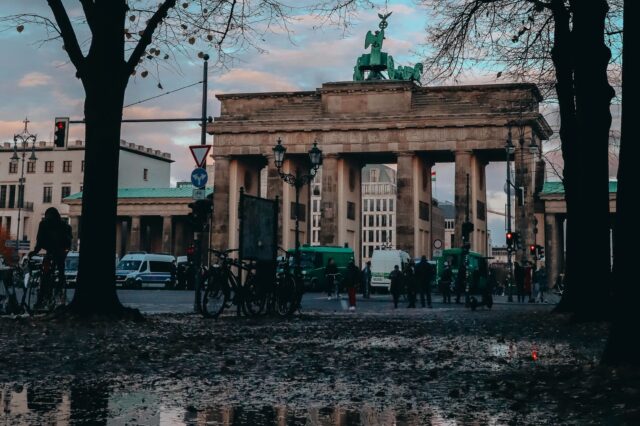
[{"x": 89, "y": 401}]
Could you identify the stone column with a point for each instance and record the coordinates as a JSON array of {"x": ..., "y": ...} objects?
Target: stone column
[
  {"x": 220, "y": 224},
  {"x": 404, "y": 205},
  {"x": 329, "y": 202},
  {"x": 524, "y": 166},
  {"x": 478, "y": 205},
  {"x": 463, "y": 167},
  {"x": 167, "y": 235},
  {"x": 134, "y": 244},
  {"x": 413, "y": 212},
  {"x": 553, "y": 250},
  {"x": 349, "y": 204},
  {"x": 274, "y": 189},
  {"x": 75, "y": 231}
]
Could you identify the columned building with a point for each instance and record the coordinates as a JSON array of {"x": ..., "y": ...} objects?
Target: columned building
[
  {"x": 58, "y": 172},
  {"x": 378, "y": 209}
]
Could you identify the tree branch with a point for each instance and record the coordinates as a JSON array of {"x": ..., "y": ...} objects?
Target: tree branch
[
  {"x": 68, "y": 34},
  {"x": 147, "y": 34},
  {"x": 89, "y": 12}
]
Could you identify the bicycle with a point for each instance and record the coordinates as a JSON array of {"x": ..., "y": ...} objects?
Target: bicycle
[
  {"x": 224, "y": 287},
  {"x": 45, "y": 291},
  {"x": 288, "y": 292}
]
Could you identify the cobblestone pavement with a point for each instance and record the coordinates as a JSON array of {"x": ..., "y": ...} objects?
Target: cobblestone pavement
[{"x": 514, "y": 364}]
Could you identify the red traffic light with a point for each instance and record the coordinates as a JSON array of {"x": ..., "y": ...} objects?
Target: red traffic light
[
  {"x": 191, "y": 250},
  {"x": 60, "y": 125}
]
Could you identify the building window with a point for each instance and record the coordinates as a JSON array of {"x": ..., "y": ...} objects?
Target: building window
[
  {"x": 351, "y": 210},
  {"x": 66, "y": 166},
  {"x": 424, "y": 210},
  {"x": 46, "y": 194},
  {"x": 315, "y": 205},
  {"x": 481, "y": 210},
  {"x": 302, "y": 213},
  {"x": 13, "y": 167},
  {"x": 66, "y": 191},
  {"x": 3, "y": 196},
  {"x": 374, "y": 175},
  {"x": 31, "y": 166},
  {"x": 384, "y": 205},
  {"x": 390, "y": 205},
  {"x": 82, "y": 166},
  {"x": 12, "y": 196},
  {"x": 371, "y": 237},
  {"x": 366, "y": 205},
  {"x": 145, "y": 174},
  {"x": 384, "y": 237},
  {"x": 390, "y": 220},
  {"x": 48, "y": 166},
  {"x": 384, "y": 220},
  {"x": 377, "y": 205}
]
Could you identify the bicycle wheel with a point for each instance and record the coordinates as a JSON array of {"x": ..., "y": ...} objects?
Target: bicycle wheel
[
  {"x": 255, "y": 297},
  {"x": 286, "y": 297},
  {"x": 215, "y": 297}
]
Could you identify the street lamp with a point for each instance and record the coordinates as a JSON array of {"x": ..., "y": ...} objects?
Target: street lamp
[
  {"x": 24, "y": 138},
  {"x": 297, "y": 181}
]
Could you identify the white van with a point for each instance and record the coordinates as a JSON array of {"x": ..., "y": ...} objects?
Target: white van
[
  {"x": 138, "y": 270},
  {"x": 382, "y": 263}
]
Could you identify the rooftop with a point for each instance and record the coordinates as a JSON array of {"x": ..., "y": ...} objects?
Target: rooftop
[{"x": 558, "y": 187}]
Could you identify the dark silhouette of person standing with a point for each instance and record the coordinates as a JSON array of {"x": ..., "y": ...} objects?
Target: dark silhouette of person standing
[
  {"x": 445, "y": 283},
  {"x": 351, "y": 282},
  {"x": 424, "y": 276},
  {"x": 518, "y": 275},
  {"x": 331, "y": 278},
  {"x": 411, "y": 284},
  {"x": 366, "y": 280},
  {"x": 396, "y": 284}
]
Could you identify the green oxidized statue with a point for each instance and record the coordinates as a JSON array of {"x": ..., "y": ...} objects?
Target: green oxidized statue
[{"x": 374, "y": 63}]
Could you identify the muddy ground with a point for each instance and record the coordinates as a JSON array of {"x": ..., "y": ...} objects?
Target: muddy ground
[{"x": 511, "y": 365}]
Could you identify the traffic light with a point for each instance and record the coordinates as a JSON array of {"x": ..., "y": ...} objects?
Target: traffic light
[
  {"x": 540, "y": 251},
  {"x": 533, "y": 250},
  {"x": 200, "y": 212},
  {"x": 517, "y": 241},
  {"x": 61, "y": 132},
  {"x": 191, "y": 250},
  {"x": 510, "y": 241}
]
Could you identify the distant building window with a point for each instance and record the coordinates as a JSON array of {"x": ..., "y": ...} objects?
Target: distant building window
[
  {"x": 302, "y": 213},
  {"x": 371, "y": 236},
  {"x": 377, "y": 205},
  {"x": 66, "y": 166},
  {"x": 390, "y": 205},
  {"x": 31, "y": 166},
  {"x": 424, "y": 210},
  {"x": 366, "y": 205},
  {"x": 351, "y": 210},
  {"x": 12, "y": 196},
  {"x": 3, "y": 196},
  {"x": 481, "y": 210},
  {"x": 46, "y": 194},
  {"x": 48, "y": 166},
  {"x": 13, "y": 167},
  {"x": 374, "y": 175},
  {"x": 145, "y": 174},
  {"x": 66, "y": 191},
  {"x": 82, "y": 166},
  {"x": 384, "y": 220}
]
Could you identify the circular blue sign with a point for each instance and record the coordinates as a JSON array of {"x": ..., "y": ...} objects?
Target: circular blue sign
[{"x": 199, "y": 177}]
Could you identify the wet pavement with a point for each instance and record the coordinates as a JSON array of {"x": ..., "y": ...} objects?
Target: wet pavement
[{"x": 515, "y": 364}]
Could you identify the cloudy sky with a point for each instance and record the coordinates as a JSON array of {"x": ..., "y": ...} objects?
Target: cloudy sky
[{"x": 36, "y": 81}]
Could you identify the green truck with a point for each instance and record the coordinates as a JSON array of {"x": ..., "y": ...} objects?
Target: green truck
[
  {"x": 313, "y": 260},
  {"x": 478, "y": 268}
]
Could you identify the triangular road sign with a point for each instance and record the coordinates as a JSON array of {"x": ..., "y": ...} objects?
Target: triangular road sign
[{"x": 199, "y": 153}]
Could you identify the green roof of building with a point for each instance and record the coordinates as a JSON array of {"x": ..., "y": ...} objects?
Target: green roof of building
[
  {"x": 179, "y": 192},
  {"x": 558, "y": 187}
]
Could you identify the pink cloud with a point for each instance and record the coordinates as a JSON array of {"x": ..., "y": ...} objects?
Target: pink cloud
[
  {"x": 255, "y": 81},
  {"x": 34, "y": 79}
]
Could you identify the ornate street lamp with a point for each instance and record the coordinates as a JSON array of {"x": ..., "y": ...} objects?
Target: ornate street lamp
[
  {"x": 21, "y": 144},
  {"x": 297, "y": 181}
]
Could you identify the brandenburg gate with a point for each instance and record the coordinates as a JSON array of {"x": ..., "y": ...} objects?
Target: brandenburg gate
[{"x": 375, "y": 120}]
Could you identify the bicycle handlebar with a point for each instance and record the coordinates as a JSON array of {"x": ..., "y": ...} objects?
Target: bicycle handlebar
[{"x": 222, "y": 253}]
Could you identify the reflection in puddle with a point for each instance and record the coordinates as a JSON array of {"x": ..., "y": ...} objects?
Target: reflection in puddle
[{"x": 77, "y": 402}]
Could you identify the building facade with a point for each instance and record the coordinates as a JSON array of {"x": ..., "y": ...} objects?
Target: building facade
[
  {"x": 58, "y": 173},
  {"x": 378, "y": 209},
  {"x": 449, "y": 213}
]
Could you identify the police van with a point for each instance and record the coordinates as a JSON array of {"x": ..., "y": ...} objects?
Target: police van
[{"x": 145, "y": 270}]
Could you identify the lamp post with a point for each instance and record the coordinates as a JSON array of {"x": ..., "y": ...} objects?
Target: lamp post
[
  {"x": 297, "y": 181},
  {"x": 24, "y": 138}
]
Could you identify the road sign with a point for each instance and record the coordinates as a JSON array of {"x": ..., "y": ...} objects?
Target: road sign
[
  {"x": 199, "y": 194},
  {"x": 199, "y": 177},
  {"x": 437, "y": 243},
  {"x": 199, "y": 153},
  {"x": 437, "y": 253}
]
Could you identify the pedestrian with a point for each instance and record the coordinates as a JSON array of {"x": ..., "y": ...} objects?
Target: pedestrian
[
  {"x": 396, "y": 285},
  {"x": 541, "y": 281},
  {"x": 445, "y": 283},
  {"x": 174, "y": 273},
  {"x": 366, "y": 280},
  {"x": 461, "y": 279},
  {"x": 410, "y": 284},
  {"x": 528, "y": 287},
  {"x": 424, "y": 275},
  {"x": 331, "y": 278},
  {"x": 351, "y": 283},
  {"x": 518, "y": 275}
]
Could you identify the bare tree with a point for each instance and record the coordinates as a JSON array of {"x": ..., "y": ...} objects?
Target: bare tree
[
  {"x": 126, "y": 37},
  {"x": 563, "y": 45},
  {"x": 622, "y": 346}
]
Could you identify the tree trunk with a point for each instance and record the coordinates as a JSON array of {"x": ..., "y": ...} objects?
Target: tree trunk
[
  {"x": 562, "y": 56},
  {"x": 104, "y": 81},
  {"x": 587, "y": 189},
  {"x": 622, "y": 346}
]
